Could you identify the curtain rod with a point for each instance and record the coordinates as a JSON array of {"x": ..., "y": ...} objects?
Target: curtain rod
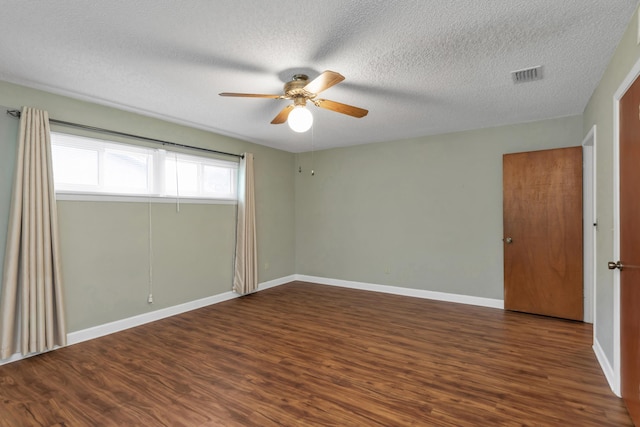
[{"x": 16, "y": 114}]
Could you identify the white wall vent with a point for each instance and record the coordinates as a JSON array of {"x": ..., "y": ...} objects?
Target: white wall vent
[{"x": 527, "y": 75}]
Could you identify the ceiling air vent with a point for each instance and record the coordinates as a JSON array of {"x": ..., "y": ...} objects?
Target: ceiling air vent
[{"x": 527, "y": 75}]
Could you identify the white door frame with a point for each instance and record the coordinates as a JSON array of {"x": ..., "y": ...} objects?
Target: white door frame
[
  {"x": 589, "y": 221},
  {"x": 622, "y": 89}
]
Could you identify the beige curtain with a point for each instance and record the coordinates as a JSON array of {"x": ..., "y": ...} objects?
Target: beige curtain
[
  {"x": 31, "y": 308},
  {"x": 245, "y": 278}
]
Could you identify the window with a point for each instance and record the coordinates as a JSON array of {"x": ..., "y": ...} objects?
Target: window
[
  {"x": 198, "y": 177},
  {"x": 84, "y": 165}
]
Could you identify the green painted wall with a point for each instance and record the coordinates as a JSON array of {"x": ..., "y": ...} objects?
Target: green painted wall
[
  {"x": 599, "y": 112},
  {"x": 105, "y": 249},
  {"x": 105, "y": 245},
  {"x": 424, "y": 213},
  {"x": 9, "y": 128}
]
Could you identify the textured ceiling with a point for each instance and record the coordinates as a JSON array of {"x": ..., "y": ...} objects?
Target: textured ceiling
[{"x": 419, "y": 67}]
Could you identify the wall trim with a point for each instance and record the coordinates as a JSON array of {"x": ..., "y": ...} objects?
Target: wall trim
[
  {"x": 589, "y": 215},
  {"x": 633, "y": 74},
  {"x": 410, "y": 292},
  {"x": 277, "y": 282},
  {"x": 606, "y": 367},
  {"x": 152, "y": 316},
  {"x": 141, "y": 319},
  {"x": 17, "y": 356}
]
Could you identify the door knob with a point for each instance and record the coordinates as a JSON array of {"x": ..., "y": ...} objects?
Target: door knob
[
  {"x": 508, "y": 240},
  {"x": 613, "y": 265}
]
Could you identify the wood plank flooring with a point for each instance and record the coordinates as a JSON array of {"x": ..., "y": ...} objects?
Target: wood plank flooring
[{"x": 311, "y": 355}]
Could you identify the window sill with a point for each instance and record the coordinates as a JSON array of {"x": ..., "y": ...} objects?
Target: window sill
[{"x": 93, "y": 197}]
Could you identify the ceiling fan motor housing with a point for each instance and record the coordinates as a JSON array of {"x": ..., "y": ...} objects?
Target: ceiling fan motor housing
[{"x": 295, "y": 88}]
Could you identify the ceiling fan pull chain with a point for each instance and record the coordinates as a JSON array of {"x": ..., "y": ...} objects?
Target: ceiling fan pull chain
[{"x": 313, "y": 172}]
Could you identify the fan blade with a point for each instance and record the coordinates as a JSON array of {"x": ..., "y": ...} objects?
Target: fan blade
[
  {"x": 250, "y": 95},
  {"x": 338, "y": 107},
  {"x": 324, "y": 81},
  {"x": 282, "y": 115}
]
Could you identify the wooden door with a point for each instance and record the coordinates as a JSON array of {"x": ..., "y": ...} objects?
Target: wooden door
[
  {"x": 543, "y": 237},
  {"x": 630, "y": 249}
]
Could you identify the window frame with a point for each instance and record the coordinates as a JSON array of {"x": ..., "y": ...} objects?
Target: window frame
[{"x": 156, "y": 174}]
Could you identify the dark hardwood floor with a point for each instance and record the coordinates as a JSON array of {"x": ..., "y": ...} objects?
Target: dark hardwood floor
[{"x": 312, "y": 355}]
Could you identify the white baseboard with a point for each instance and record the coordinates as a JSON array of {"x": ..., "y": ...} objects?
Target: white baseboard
[
  {"x": 152, "y": 316},
  {"x": 410, "y": 292},
  {"x": 606, "y": 367},
  {"x": 141, "y": 319},
  {"x": 276, "y": 282},
  {"x": 15, "y": 357},
  {"x": 120, "y": 325}
]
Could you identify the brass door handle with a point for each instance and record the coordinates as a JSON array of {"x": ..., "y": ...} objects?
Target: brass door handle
[{"x": 613, "y": 265}]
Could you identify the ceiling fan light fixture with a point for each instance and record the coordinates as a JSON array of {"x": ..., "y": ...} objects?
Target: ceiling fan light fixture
[
  {"x": 300, "y": 119},
  {"x": 300, "y": 90}
]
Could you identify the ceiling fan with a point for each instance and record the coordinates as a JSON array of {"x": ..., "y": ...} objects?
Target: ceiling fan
[{"x": 300, "y": 90}]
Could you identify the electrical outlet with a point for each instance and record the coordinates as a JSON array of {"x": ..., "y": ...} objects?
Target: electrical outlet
[{"x": 150, "y": 299}]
